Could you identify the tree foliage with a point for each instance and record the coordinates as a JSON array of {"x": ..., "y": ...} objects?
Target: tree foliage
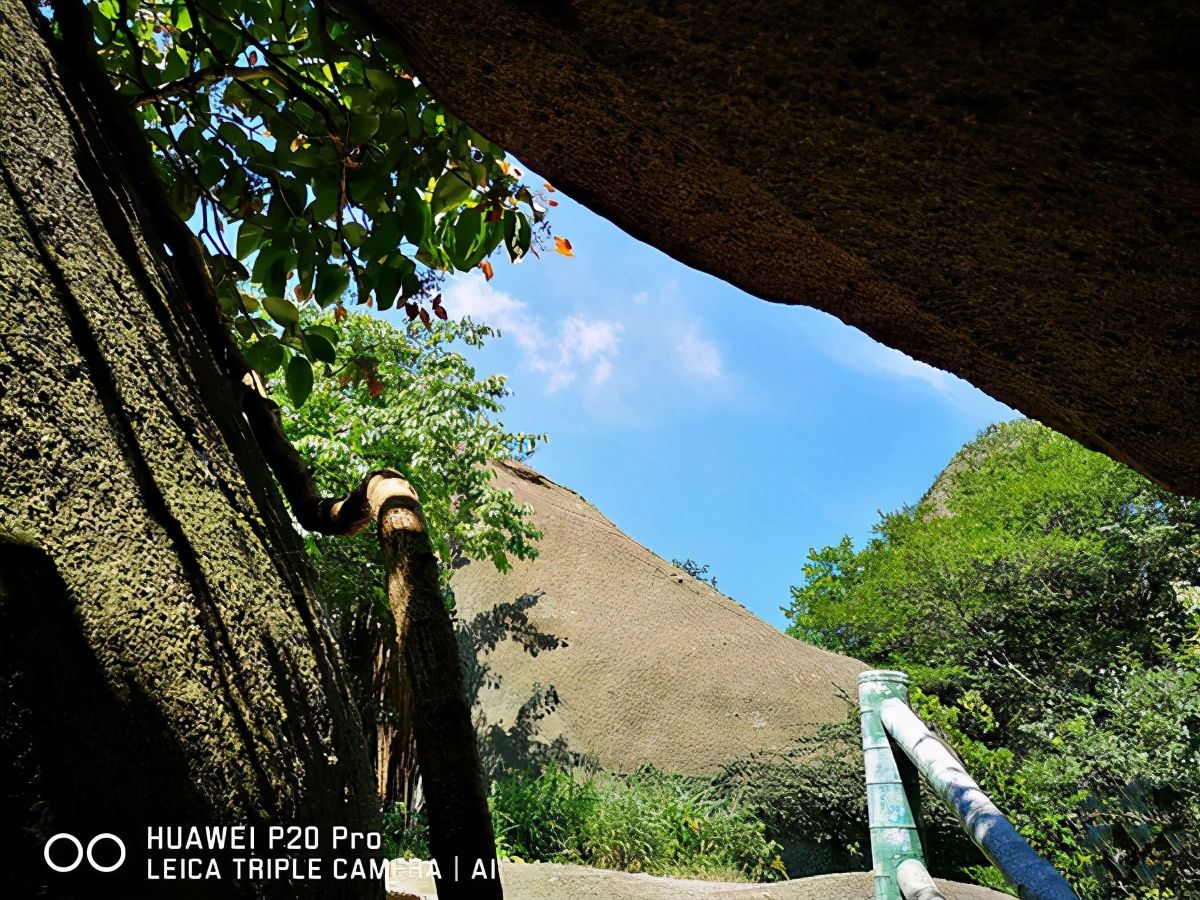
[
  {"x": 1043, "y": 599},
  {"x": 343, "y": 179},
  {"x": 437, "y": 426}
]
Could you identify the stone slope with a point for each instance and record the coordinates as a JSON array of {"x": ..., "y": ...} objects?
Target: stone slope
[{"x": 655, "y": 667}]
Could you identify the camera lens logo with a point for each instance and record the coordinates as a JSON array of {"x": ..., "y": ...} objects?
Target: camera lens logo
[{"x": 80, "y": 853}]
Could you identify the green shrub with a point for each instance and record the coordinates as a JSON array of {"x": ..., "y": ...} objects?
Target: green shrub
[
  {"x": 405, "y": 833},
  {"x": 812, "y": 800},
  {"x": 674, "y": 825},
  {"x": 543, "y": 817},
  {"x": 648, "y": 821},
  {"x": 1044, "y": 601}
]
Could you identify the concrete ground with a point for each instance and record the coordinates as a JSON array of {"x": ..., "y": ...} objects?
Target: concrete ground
[{"x": 551, "y": 881}]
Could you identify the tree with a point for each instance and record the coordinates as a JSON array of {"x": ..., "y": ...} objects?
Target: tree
[
  {"x": 344, "y": 179},
  {"x": 435, "y": 416},
  {"x": 1038, "y": 595}
]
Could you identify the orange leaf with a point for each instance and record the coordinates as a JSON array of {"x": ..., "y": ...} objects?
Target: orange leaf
[
  {"x": 252, "y": 58},
  {"x": 487, "y": 269},
  {"x": 552, "y": 202},
  {"x": 339, "y": 313},
  {"x": 440, "y": 312},
  {"x": 563, "y": 246},
  {"x": 548, "y": 186},
  {"x": 424, "y": 314},
  {"x": 375, "y": 388}
]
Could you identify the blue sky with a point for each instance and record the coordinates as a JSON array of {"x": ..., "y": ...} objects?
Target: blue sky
[{"x": 703, "y": 422}]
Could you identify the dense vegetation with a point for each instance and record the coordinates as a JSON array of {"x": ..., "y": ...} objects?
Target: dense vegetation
[
  {"x": 344, "y": 180},
  {"x": 647, "y": 821},
  {"x": 1043, "y": 599}
]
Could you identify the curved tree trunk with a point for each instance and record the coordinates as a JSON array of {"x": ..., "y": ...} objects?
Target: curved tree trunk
[
  {"x": 161, "y": 659},
  {"x": 442, "y": 730}
]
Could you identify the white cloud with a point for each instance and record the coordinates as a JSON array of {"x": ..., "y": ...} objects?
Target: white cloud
[
  {"x": 581, "y": 344},
  {"x": 698, "y": 357},
  {"x": 578, "y": 346},
  {"x": 473, "y": 296}
]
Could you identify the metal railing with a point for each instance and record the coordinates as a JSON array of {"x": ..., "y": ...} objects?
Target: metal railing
[{"x": 894, "y": 802}]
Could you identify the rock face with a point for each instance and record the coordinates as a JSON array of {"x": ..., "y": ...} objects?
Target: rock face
[
  {"x": 647, "y": 664},
  {"x": 1006, "y": 191},
  {"x": 161, "y": 661}
]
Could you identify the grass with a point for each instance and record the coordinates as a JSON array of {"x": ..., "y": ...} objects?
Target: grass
[{"x": 647, "y": 821}]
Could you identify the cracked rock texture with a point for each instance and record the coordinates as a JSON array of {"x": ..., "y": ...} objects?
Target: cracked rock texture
[{"x": 1004, "y": 190}]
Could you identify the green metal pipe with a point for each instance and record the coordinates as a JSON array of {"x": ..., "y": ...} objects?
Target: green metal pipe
[
  {"x": 893, "y": 794},
  {"x": 1033, "y": 877}
]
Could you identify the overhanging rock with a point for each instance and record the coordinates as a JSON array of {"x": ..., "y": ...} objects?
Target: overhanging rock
[{"x": 1006, "y": 191}]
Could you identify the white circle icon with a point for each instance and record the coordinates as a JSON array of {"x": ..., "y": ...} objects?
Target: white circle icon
[
  {"x": 92, "y": 844},
  {"x": 78, "y": 851}
]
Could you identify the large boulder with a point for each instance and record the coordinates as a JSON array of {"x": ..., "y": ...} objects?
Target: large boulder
[
  {"x": 613, "y": 653},
  {"x": 1005, "y": 190}
]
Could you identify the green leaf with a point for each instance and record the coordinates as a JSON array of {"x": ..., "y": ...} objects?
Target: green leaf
[
  {"x": 386, "y": 283},
  {"x": 232, "y": 133},
  {"x": 332, "y": 282},
  {"x": 517, "y": 235},
  {"x": 329, "y": 333},
  {"x": 212, "y": 170},
  {"x": 354, "y": 234},
  {"x": 362, "y": 127},
  {"x": 248, "y": 239},
  {"x": 451, "y": 189},
  {"x": 282, "y": 310},
  {"x": 468, "y": 235},
  {"x": 326, "y": 192},
  {"x": 308, "y": 157},
  {"x": 418, "y": 219},
  {"x": 266, "y": 354},
  {"x": 382, "y": 82},
  {"x": 189, "y": 140},
  {"x": 292, "y": 193},
  {"x": 299, "y": 380},
  {"x": 320, "y": 347}
]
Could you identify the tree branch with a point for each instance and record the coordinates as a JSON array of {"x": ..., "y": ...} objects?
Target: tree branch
[
  {"x": 210, "y": 75},
  {"x": 314, "y": 512}
]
